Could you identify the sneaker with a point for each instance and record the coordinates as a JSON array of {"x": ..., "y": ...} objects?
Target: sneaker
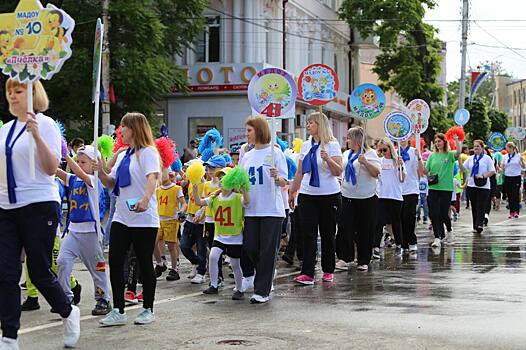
[
  {"x": 130, "y": 297},
  {"x": 303, "y": 279},
  {"x": 173, "y": 275},
  {"x": 193, "y": 272},
  {"x": 140, "y": 298},
  {"x": 259, "y": 299},
  {"x": 436, "y": 243},
  {"x": 8, "y": 344},
  {"x": 238, "y": 295},
  {"x": 211, "y": 290},
  {"x": 146, "y": 316},
  {"x": 399, "y": 251},
  {"x": 510, "y": 215},
  {"x": 486, "y": 219},
  {"x": 516, "y": 215},
  {"x": 287, "y": 259},
  {"x": 159, "y": 269},
  {"x": 327, "y": 277},
  {"x": 248, "y": 283},
  {"x": 30, "y": 304},
  {"x": 449, "y": 238},
  {"x": 479, "y": 230},
  {"x": 198, "y": 279},
  {"x": 114, "y": 318},
  {"x": 376, "y": 253},
  {"x": 362, "y": 267},
  {"x": 72, "y": 327},
  {"x": 76, "y": 293},
  {"x": 23, "y": 286},
  {"x": 341, "y": 265},
  {"x": 413, "y": 248},
  {"x": 103, "y": 307}
]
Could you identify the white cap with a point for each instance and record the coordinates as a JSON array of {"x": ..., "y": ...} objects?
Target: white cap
[{"x": 89, "y": 151}]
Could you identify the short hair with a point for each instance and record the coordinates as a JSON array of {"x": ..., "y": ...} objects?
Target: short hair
[
  {"x": 76, "y": 142},
  {"x": 261, "y": 129},
  {"x": 40, "y": 99}
]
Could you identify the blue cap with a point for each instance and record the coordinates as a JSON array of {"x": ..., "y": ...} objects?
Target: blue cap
[{"x": 216, "y": 161}]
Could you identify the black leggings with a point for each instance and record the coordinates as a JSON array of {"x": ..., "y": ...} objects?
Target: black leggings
[
  {"x": 143, "y": 239},
  {"x": 512, "y": 188},
  {"x": 409, "y": 219},
  {"x": 389, "y": 212},
  {"x": 479, "y": 198},
  {"x": 439, "y": 202}
]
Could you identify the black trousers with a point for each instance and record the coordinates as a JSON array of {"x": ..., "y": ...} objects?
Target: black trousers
[
  {"x": 261, "y": 241},
  {"x": 357, "y": 225},
  {"x": 479, "y": 198},
  {"x": 319, "y": 213},
  {"x": 409, "y": 219},
  {"x": 439, "y": 202},
  {"x": 512, "y": 188},
  {"x": 295, "y": 245},
  {"x": 143, "y": 240},
  {"x": 33, "y": 228},
  {"x": 389, "y": 212}
]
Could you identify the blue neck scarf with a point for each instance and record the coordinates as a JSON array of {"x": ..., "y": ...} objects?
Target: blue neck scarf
[
  {"x": 476, "y": 165},
  {"x": 310, "y": 165},
  {"x": 11, "y": 182},
  {"x": 510, "y": 157},
  {"x": 404, "y": 153},
  {"x": 350, "y": 173},
  {"x": 123, "y": 172}
]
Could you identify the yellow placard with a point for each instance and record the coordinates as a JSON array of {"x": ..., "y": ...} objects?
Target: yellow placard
[{"x": 34, "y": 41}]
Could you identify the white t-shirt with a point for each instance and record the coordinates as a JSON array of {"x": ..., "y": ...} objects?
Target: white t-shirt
[
  {"x": 454, "y": 193},
  {"x": 29, "y": 191},
  {"x": 257, "y": 163},
  {"x": 513, "y": 167},
  {"x": 83, "y": 227},
  {"x": 149, "y": 164},
  {"x": 389, "y": 185},
  {"x": 329, "y": 183},
  {"x": 423, "y": 185},
  {"x": 485, "y": 165},
  {"x": 411, "y": 182},
  {"x": 223, "y": 238},
  {"x": 365, "y": 184}
]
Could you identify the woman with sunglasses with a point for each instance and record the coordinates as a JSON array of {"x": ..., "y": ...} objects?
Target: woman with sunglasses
[
  {"x": 390, "y": 199},
  {"x": 512, "y": 166}
]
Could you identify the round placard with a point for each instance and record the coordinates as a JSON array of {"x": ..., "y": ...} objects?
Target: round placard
[
  {"x": 272, "y": 86},
  {"x": 367, "y": 101},
  {"x": 318, "y": 84},
  {"x": 398, "y": 126},
  {"x": 519, "y": 133},
  {"x": 461, "y": 116},
  {"x": 419, "y": 114},
  {"x": 497, "y": 141}
]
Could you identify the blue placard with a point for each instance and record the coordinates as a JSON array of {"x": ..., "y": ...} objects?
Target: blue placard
[
  {"x": 367, "y": 101},
  {"x": 461, "y": 116},
  {"x": 497, "y": 141},
  {"x": 398, "y": 126}
]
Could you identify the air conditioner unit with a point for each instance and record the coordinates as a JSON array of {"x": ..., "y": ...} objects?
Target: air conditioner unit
[{"x": 301, "y": 121}]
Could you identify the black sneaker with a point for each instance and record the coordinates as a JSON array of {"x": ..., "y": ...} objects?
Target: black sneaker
[
  {"x": 238, "y": 295},
  {"x": 159, "y": 270},
  {"x": 211, "y": 290},
  {"x": 30, "y": 304},
  {"x": 287, "y": 259},
  {"x": 76, "y": 293},
  {"x": 101, "y": 308},
  {"x": 173, "y": 275}
]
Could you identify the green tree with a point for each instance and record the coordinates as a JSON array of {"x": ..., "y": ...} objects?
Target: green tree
[
  {"x": 499, "y": 120},
  {"x": 479, "y": 124},
  {"x": 441, "y": 120}
]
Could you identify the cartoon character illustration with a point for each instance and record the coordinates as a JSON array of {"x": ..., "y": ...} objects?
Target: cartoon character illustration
[
  {"x": 315, "y": 86},
  {"x": 368, "y": 97},
  {"x": 323, "y": 85},
  {"x": 395, "y": 126},
  {"x": 6, "y": 45},
  {"x": 276, "y": 88},
  {"x": 53, "y": 26}
]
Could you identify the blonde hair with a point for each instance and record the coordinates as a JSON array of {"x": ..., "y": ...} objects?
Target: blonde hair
[
  {"x": 511, "y": 144},
  {"x": 141, "y": 130},
  {"x": 387, "y": 142},
  {"x": 40, "y": 99},
  {"x": 261, "y": 129},
  {"x": 324, "y": 127},
  {"x": 357, "y": 135}
]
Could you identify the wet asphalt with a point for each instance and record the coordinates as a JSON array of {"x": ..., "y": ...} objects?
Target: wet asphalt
[{"x": 469, "y": 295}]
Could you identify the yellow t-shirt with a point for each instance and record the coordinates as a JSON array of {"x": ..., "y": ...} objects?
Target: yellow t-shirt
[
  {"x": 192, "y": 207},
  {"x": 167, "y": 204},
  {"x": 209, "y": 188}
]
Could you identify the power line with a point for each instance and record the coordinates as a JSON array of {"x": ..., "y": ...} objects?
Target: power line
[{"x": 500, "y": 41}]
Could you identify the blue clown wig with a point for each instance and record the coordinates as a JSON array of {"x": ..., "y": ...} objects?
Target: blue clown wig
[{"x": 206, "y": 147}]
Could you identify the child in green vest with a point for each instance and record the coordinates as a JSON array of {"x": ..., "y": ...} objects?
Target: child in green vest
[{"x": 227, "y": 208}]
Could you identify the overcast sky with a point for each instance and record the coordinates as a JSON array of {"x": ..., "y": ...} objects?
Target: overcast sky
[{"x": 493, "y": 33}]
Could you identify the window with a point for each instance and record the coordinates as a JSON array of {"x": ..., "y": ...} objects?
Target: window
[{"x": 208, "y": 44}]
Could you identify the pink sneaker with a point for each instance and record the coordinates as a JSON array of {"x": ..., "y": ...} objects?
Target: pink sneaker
[
  {"x": 516, "y": 215},
  {"x": 304, "y": 279},
  {"x": 327, "y": 277}
]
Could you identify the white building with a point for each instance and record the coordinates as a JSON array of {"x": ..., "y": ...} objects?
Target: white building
[{"x": 241, "y": 38}]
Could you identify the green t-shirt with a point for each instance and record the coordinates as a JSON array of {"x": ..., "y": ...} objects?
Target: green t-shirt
[{"x": 443, "y": 165}]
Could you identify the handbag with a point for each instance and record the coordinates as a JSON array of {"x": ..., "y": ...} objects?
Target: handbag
[
  {"x": 432, "y": 179},
  {"x": 480, "y": 181}
]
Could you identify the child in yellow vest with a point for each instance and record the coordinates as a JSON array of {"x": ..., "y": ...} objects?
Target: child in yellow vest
[
  {"x": 170, "y": 202},
  {"x": 227, "y": 209}
]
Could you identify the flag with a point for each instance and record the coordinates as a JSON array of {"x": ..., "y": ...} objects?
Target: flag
[
  {"x": 477, "y": 78},
  {"x": 111, "y": 94}
]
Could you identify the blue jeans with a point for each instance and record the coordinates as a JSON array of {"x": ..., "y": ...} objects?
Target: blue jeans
[
  {"x": 113, "y": 201},
  {"x": 422, "y": 204},
  {"x": 193, "y": 234}
]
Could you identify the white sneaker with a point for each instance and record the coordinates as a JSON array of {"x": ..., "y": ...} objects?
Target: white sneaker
[
  {"x": 450, "y": 238},
  {"x": 436, "y": 243},
  {"x": 146, "y": 316},
  {"x": 8, "y": 344},
  {"x": 248, "y": 283},
  {"x": 114, "y": 318},
  {"x": 72, "y": 327},
  {"x": 376, "y": 253},
  {"x": 193, "y": 272},
  {"x": 362, "y": 267},
  {"x": 198, "y": 279},
  {"x": 341, "y": 265},
  {"x": 413, "y": 248},
  {"x": 258, "y": 299}
]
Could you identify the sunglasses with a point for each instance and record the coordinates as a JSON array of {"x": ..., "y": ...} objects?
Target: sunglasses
[{"x": 384, "y": 150}]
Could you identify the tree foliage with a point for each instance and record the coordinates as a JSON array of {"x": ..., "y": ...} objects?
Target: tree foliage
[
  {"x": 498, "y": 120},
  {"x": 479, "y": 124}
]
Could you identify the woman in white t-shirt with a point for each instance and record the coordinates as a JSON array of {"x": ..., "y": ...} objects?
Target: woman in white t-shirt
[
  {"x": 136, "y": 220},
  {"x": 265, "y": 213},
  {"x": 359, "y": 200},
  {"x": 390, "y": 197},
  {"x": 30, "y": 211},
  {"x": 512, "y": 165},
  {"x": 319, "y": 199},
  {"x": 480, "y": 167}
]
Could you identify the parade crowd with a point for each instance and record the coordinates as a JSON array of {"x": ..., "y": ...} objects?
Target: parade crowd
[{"x": 319, "y": 201}]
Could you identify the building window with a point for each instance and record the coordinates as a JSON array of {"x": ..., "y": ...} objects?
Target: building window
[{"x": 208, "y": 45}]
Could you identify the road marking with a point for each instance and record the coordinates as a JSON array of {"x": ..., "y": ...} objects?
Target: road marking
[{"x": 134, "y": 307}]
